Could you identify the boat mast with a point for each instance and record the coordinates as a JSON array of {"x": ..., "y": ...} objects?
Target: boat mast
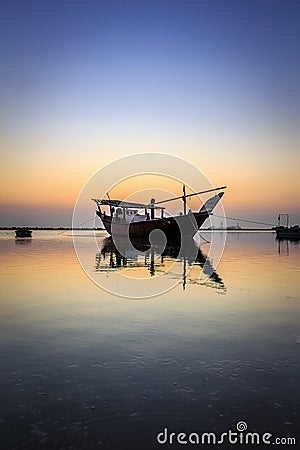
[
  {"x": 152, "y": 202},
  {"x": 287, "y": 216},
  {"x": 184, "y": 200},
  {"x": 110, "y": 207}
]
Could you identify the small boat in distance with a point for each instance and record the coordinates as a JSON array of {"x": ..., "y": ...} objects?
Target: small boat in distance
[
  {"x": 23, "y": 232},
  {"x": 287, "y": 232},
  {"x": 138, "y": 220}
]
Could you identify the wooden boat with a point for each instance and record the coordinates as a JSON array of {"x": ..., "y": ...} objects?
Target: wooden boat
[
  {"x": 287, "y": 232},
  {"x": 126, "y": 219},
  {"x": 23, "y": 232}
]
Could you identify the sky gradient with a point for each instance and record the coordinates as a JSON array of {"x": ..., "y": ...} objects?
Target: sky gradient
[{"x": 85, "y": 82}]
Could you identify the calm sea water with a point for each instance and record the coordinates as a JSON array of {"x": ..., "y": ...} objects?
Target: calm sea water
[{"x": 84, "y": 369}]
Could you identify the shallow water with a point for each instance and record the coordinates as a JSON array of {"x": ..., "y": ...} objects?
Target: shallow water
[{"x": 82, "y": 368}]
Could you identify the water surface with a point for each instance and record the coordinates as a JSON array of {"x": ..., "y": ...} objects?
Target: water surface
[{"x": 82, "y": 368}]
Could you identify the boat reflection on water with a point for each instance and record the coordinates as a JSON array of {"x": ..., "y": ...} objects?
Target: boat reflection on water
[
  {"x": 23, "y": 240},
  {"x": 284, "y": 244},
  {"x": 157, "y": 262}
]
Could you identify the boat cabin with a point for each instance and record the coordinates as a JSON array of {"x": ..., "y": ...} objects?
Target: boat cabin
[{"x": 130, "y": 211}]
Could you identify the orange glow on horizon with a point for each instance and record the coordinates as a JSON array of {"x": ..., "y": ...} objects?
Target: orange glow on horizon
[{"x": 41, "y": 183}]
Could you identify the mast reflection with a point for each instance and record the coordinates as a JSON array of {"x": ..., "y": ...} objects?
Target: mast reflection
[{"x": 283, "y": 245}]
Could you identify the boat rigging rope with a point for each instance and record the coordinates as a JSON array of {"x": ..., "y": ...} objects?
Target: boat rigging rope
[
  {"x": 83, "y": 223},
  {"x": 202, "y": 237},
  {"x": 243, "y": 220}
]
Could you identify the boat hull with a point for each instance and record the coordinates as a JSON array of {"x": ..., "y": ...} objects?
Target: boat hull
[
  {"x": 23, "y": 232},
  {"x": 288, "y": 233},
  {"x": 174, "y": 228}
]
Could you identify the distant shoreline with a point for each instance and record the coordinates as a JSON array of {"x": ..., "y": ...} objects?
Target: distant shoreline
[
  {"x": 237, "y": 230},
  {"x": 52, "y": 228},
  {"x": 103, "y": 229}
]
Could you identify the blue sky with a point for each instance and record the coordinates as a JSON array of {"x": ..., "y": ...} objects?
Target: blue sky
[{"x": 111, "y": 56}]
